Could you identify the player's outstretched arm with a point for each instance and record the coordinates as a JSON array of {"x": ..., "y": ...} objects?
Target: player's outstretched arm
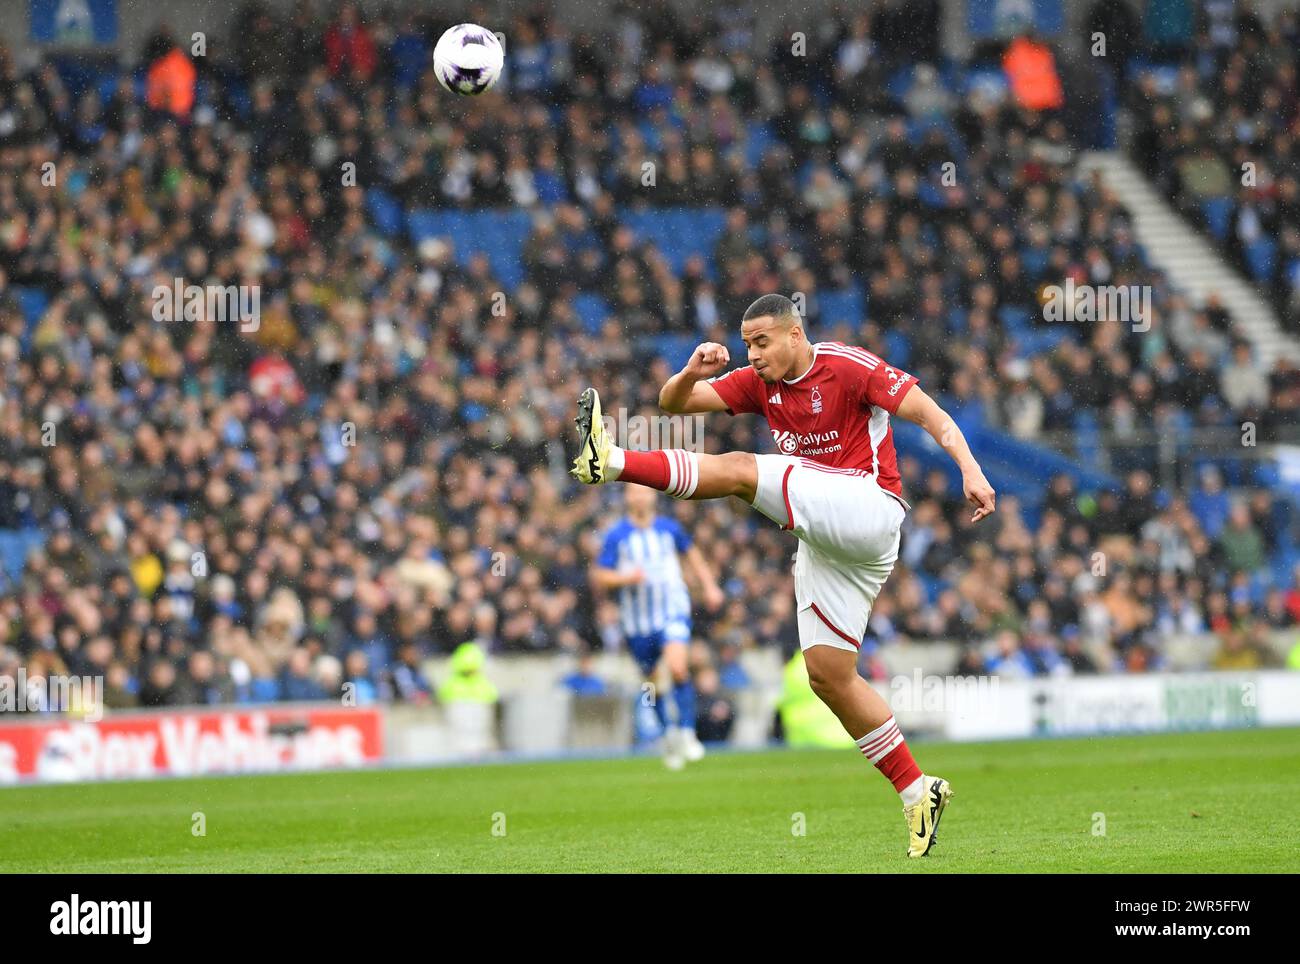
[
  {"x": 713, "y": 595},
  {"x": 603, "y": 578},
  {"x": 920, "y": 408},
  {"x": 687, "y": 392}
]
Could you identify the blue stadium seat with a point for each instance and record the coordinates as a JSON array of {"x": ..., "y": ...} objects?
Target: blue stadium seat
[
  {"x": 551, "y": 189},
  {"x": 385, "y": 212},
  {"x": 899, "y": 348},
  {"x": 32, "y": 302},
  {"x": 1218, "y": 216},
  {"x": 239, "y": 96},
  {"x": 592, "y": 310},
  {"x": 1014, "y": 319},
  {"x": 1267, "y": 475},
  {"x": 1035, "y": 341},
  {"x": 899, "y": 82},
  {"x": 678, "y": 233},
  {"x": 1035, "y": 261},
  {"x": 990, "y": 79},
  {"x": 675, "y": 349},
  {"x": 1033, "y": 516},
  {"x": 650, "y": 133},
  {"x": 1087, "y": 438},
  {"x": 844, "y": 304},
  {"x": 930, "y": 195},
  {"x": 15, "y": 544},
  {"x": 919, "y": 127},
  {"x": 422, "y": 223},
  {"x": 11, "y": 558},
  {"x": 710, "y": 223},
  {"x": 1107, "y": 129},
  {"x": 1284, "y": 564},
  {"x": 1166, "y": 79},
  {"x": 1260, "y": 257},
  {"x": 760, "y": 138},
  {"x": 498, "y": 234}
]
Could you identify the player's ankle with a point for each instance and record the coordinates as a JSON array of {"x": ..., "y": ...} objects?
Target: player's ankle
[
  {"x": 914, "y": 792},
  {"x": 614, "y": 463}
]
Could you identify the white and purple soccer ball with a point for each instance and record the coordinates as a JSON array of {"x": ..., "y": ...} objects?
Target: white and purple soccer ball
[{"x": 468, "y": 59}]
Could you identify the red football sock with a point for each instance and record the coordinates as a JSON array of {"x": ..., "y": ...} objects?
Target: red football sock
[
  {"x": 646, "y": 468},
  {"x": 885, "y": 747}
]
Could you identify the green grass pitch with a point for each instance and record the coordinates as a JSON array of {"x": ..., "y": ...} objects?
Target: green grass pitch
[{"x": 1188, "y": 802}]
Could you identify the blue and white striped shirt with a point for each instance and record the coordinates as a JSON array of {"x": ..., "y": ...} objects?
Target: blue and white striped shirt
[{"x": 663, "y": 597}]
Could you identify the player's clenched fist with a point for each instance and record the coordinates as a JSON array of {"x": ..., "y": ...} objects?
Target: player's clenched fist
[
  {"x": 708, "y": 359},
  {"x": 979, "y": 494}
]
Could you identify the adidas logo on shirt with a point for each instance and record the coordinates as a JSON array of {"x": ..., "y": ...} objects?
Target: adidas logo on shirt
[{"x": 775, "y": 399}]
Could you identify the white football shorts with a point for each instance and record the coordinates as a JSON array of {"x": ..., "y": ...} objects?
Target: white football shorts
[{"x": 848, "y": 529}]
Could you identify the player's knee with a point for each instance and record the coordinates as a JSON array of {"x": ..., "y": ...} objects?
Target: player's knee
[
  {"x": 741, "y": 471},
  {"x": 826, "y": 680},
  {"x": 825, "y": 684}
]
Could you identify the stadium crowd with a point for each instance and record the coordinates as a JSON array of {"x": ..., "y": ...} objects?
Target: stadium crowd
[
  {"x": 1219, "y": 131},
  {"x": 377, "y": 471}
]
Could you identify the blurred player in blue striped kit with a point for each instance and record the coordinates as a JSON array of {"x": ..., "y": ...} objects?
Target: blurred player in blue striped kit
[{"x": 641, "y": 560}]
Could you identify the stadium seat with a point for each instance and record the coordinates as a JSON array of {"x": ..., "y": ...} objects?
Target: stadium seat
[
  {"x": 1015, "y": 319},
  {"x": 899, "y": 347},
  {"x": 1088, "y": 447},
  {"x": 843, "y": 305},
  {"x": 992, "y": 82},
  {"x": 592, "y": 310},
  {"x": 1038, "y": 341},
  {"x": 1218, "y": 216},
  {"x": 385, "y": 212},
  {"x": 675, "y": 349},
  {"x": 757, "y": 143},
  {"x": 15, "y": 544},
  {"x": 678, "y": 233},
  {"x": 1166, "y": 79},
  {"x": 1260, "y": 258},
  {"x": 498, "y": 234},
  {"x": 1035, "y": 260},
  {"x": 32, "y": 302},
  {"x": 899, "y": 82},
  {"x": 930, "y": 195}
]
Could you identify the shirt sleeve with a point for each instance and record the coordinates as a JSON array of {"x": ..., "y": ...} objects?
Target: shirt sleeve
[
  {"x": 608, "y": 558},
  {"x": 739, "y": 391},
  {"x": 681, "y": 538},
  {"x": 886, "y": 387}
]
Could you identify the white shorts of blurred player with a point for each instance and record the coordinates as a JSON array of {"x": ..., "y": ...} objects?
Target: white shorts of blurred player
[{"x": 848, "y": 529}]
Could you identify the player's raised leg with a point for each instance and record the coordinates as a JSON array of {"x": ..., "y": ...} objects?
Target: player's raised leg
[{"x": 679, "y": 472}]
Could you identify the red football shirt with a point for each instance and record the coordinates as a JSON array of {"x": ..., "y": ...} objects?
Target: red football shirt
[{"x": 836, "y": 413}]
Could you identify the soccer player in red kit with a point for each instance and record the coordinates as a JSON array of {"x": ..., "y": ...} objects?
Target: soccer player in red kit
[{"x": 835, "y": 485}]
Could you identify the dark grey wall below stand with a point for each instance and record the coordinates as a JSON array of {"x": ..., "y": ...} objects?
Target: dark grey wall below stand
[{"x": 137, "y": 18}]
